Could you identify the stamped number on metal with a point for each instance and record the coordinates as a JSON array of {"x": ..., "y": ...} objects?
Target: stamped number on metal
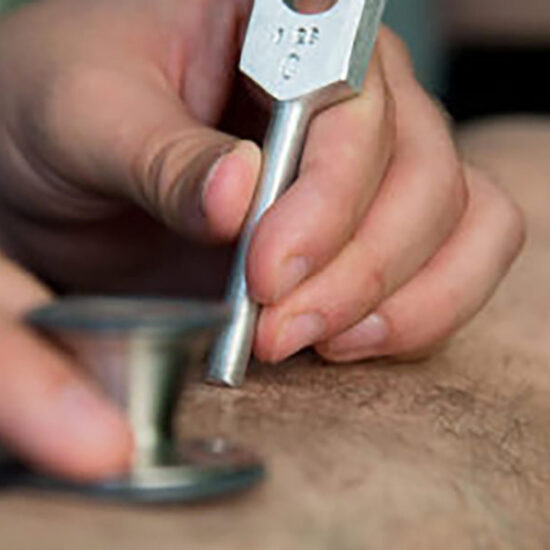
[{"x": 298, "y": 39}]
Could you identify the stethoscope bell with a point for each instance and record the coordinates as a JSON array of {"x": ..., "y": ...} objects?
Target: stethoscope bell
[{"x": 138, "y": 351}]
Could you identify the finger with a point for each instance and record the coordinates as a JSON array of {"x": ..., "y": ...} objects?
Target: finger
[
  {"x": 449, "y": 290},
  {"x": 421, "y": 200},
  {"x": 127, "y": 133},
  {"x": 49, "y": 416},
  {"x": 346, "y": 155},
  {"x": 24, "y": 291}
]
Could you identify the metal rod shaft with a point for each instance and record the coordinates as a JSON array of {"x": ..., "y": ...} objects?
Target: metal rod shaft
[{"x": 282, "y": 152}]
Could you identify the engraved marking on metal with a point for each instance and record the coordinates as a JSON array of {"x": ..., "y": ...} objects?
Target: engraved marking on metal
[{"x": 290, "y": 66}]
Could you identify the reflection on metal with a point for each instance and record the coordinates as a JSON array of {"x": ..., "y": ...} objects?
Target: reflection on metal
[
  {"x": 137, "y": 349},
  {"x": 306, "y": 63}
]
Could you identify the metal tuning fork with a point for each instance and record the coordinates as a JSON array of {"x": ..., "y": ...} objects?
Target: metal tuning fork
[{"x": 305, "y": 63}]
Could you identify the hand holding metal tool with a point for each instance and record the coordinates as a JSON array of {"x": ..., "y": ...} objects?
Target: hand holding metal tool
[{"x": 306, "y": 63}]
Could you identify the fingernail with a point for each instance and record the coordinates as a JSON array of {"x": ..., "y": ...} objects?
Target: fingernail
[
  {"x": 297, "y": 333},
  {"x": 90, "y": 420},
  {"x": 234, "y": 164},
  {"x": 364, "y": 337},
  {"x": 212, "y": 175},
  {"x": 293, "y": 272},
  {"x": 242, "y": 149}
]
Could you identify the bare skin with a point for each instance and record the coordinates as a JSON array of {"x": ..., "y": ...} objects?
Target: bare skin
[
  {"x": 112, "y": 168},
  {"x": 451, "y": 452}
]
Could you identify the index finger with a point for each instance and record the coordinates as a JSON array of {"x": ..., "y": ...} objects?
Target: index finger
[{"x": 347, "y": 152}]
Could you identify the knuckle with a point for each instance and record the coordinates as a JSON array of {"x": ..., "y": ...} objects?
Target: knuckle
[
  {"x": 380, "y": 115},
  {"x": 165, "y": 168},
  {"x": 517, "y": 227},
  {"x": 446, "y": 180},
  {"x": 375, "y": 283},
  {"x": 375, "y": 93},
  {"x": 461, "y": 192},
  {"x": 154, "y": 172},
  {"x": 514, "y": 230},
  {"x": 508, "y": 215},
  {"x": 392, "y": 41},
  {"x": 457, "y": 190},
  {"x": 389, "y": 120}
]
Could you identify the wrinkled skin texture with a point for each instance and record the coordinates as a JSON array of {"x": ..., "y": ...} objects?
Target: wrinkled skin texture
[
  {"x": 113, "y": 173},
  {"x": 451, "y": 452}
]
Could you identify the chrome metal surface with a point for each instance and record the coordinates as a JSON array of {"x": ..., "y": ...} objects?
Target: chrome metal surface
[
  {"x": 306, "y": 63},
  {"x": 283, "y": 147},
  {"x": 189, "y": 471},
  {"x": 291, "y": 55},
  {"x": 139, "y": 352}
]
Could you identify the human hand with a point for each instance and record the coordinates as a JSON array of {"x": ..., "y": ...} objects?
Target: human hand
[
  {"x": 388, "y": 242},
  {"x": 103, "y": 104},
  {"x": 106, "y": 107}
]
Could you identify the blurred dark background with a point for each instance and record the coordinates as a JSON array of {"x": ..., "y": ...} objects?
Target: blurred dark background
[{"x": 481, "y": 57}]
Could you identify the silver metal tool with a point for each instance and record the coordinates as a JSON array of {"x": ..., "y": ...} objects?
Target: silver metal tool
[
  {"x": 138, "y": 350},
  {"x": 306, "y": 63}
]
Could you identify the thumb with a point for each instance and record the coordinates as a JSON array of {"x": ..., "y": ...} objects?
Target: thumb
[
  {"x": 144, "y": 144},
  {"x": 199, "y": 181},
  {"x": 214, "y": 191}
]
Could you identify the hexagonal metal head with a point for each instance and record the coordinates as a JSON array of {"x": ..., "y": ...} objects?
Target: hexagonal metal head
[{"x": 292, "y": 55}]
